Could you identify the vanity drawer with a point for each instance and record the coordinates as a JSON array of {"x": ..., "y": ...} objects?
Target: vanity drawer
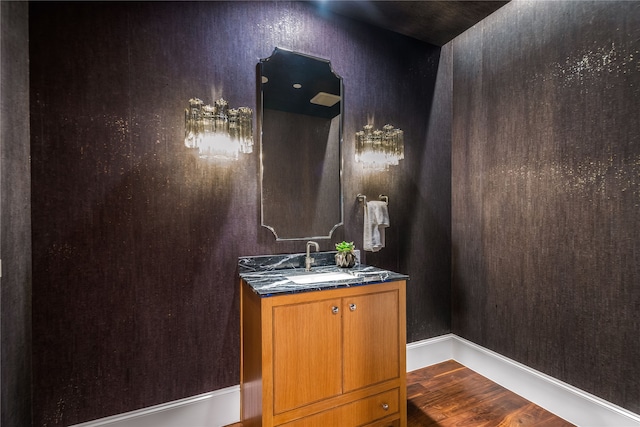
[
  {"x": 361, "y": 412},
  {"x": 386, "y": 423}
]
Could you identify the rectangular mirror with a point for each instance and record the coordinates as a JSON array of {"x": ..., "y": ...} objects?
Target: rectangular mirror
[{"x": 300, "y": 111}]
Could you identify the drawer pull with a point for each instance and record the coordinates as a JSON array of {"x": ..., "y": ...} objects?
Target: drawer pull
[
  {"x": 335, "y": 309},
  {"x": 352, "y": 307},
  {"x": 385, "y": 406}
]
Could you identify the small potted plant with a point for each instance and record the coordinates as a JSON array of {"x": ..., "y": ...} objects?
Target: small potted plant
[{"x": 346, "y": 257}]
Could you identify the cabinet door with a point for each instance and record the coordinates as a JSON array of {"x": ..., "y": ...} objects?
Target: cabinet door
[
  {"x": 371, "y": 339},
  {"x": 307, "y": 356}
]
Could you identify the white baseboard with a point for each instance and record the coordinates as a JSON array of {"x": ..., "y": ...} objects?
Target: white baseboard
[
  {"x": 215, "y": 409},
  {"x": 574, "y": 405},
  {"x": 222, "y": 407},
  {"x": 429, "y": 352}
]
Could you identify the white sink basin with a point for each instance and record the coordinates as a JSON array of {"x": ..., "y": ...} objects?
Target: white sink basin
[{"x": 307, "y": 279}]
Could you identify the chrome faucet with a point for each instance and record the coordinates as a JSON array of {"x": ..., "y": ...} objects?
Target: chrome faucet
[{"x": 308, "y": 260}]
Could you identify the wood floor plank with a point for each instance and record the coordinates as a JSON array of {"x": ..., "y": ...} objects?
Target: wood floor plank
[
  {"x": 449, "y": 394},
  {"x": 462, "y": 397}
]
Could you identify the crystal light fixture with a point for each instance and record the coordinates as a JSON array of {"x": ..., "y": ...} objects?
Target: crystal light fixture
[
  {"x": 217, "y": 131},
  {"x": 379, "y": 149}
]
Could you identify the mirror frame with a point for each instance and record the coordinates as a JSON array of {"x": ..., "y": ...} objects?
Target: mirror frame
[{"x": 259, "y": 124}]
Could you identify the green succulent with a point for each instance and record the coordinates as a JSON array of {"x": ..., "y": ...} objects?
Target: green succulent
[{"x": 345, "y": 246}]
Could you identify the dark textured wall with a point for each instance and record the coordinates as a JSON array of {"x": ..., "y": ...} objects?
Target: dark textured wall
[
  {"x": 15, "y": 218},
  {"x": 546, "y": 191},
  {"x": 135, "y": 242}
]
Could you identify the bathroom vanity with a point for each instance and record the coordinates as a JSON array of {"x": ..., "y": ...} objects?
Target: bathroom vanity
[{"x": 321, "y": 348}]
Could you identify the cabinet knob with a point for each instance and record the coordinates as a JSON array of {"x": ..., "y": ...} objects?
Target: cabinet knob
[
  {"x": 335, "y": 309},
  {"x": 352, "y": 307},
  {"x": 385, "y": 406}
]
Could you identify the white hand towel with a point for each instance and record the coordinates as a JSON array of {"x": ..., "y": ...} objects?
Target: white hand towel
[{"x": 376, "y": 219}]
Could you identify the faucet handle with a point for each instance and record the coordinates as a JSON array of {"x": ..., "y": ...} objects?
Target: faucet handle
[{"x": 307, "y": 263}]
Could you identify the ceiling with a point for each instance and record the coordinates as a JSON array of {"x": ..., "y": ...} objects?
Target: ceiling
[{"x": 431, "y": 21}]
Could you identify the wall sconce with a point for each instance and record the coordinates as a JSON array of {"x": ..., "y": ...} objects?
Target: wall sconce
[
  {"x": 379, "y": 149},
  {"x": 218, "y": 132}
]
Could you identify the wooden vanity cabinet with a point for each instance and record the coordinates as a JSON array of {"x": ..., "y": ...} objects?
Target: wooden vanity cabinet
[{"x": 324, "y": 358}]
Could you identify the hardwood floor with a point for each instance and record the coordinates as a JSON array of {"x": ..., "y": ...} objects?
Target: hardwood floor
[{"x": 449, "y": 394}]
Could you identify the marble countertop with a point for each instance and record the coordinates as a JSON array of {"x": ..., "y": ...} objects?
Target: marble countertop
[{"x": 270, "y": 275}]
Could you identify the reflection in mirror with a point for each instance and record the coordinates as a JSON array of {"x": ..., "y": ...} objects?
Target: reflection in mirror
[{"x": 301, "y": 116}]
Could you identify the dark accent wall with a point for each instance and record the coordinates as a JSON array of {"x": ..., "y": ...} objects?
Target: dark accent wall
[
  {"x": 546, "y": 191},
  {"x": 15, "y": 218},
  {"x": 135, "y": 241}
]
